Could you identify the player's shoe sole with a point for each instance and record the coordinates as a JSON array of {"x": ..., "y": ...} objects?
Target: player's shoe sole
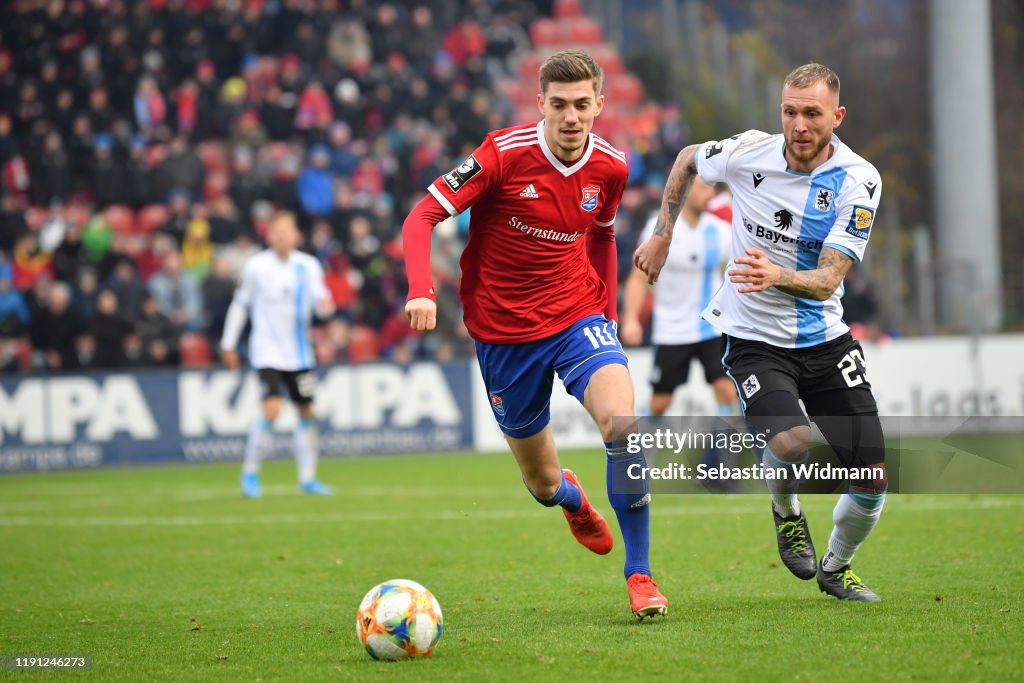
[
  {"x": 587, "y": 524},
  {"x": 251, "y": 487},
  {"x": 644, "y": 597},
  {"x": 845, "y": 585},
  {"x": 795, "y": 547}
]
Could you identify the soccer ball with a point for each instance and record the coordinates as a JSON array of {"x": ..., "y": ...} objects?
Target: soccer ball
[{"x": 397, "y": 619}]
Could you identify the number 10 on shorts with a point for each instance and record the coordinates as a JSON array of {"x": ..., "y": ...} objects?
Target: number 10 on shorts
[{"x": 600, "y": 335}]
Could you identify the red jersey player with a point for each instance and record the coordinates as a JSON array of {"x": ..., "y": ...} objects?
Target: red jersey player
[{"x": 539, "y": 294}]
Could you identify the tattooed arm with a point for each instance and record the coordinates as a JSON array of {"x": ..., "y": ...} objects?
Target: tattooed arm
[
  {"x": 758, "y": 274},
  {"x": 650, "y": 256}
]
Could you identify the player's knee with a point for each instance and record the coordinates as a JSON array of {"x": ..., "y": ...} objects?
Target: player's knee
[
  {"x": 272, "y": 410},
  {"x": 870, "y": 479},
  {"x": 791, "y": 445}
]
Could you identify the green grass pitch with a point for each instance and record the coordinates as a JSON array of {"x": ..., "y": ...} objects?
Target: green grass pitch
[{"x": 168, "y": 574}]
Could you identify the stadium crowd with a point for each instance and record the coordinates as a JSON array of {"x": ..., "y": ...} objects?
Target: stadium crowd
[{"x": 144, "y": 144}]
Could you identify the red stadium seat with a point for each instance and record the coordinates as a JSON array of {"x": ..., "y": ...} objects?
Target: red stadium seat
[
  {"x": 545, "y": 32},
  {"x": 609, "y": 59},
  {"x": 195, "y": 351},
  {"x": 363, "y": 345},
  {"x": 568, "y": 8},
  {"x": 583, "y": 31},
  {"x": 529, "y": 66},
  {"x": 152, "y": 217},
  {"x": 120, "y": 218},
  {"x": 625, "y": 89}
]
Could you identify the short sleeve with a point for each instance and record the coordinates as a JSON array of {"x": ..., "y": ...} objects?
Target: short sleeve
[
  {"x": 854, "y": 219},
  {"x": 712, "y": 158},
  {"x": 460, "y": 188}
]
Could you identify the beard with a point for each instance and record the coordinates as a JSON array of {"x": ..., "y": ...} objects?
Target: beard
[{"x": 808, "y": 154}]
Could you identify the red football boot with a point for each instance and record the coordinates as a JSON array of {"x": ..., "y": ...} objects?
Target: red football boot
[
  {"x": 644, "y": 597},
  {"x": 587, "y": 524}
]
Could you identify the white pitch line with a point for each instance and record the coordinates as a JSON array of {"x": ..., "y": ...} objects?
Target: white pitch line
[{"x": 255, "y": 519}]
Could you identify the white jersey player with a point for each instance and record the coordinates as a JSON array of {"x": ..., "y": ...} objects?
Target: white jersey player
[
  {"x": 803, "y": 209},
  {"x": 691, "y": 276},
  {"x": 281, "y": 288}
]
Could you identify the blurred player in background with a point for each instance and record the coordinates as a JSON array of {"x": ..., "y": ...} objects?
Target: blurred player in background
[
  {"x": 692, "y": 274},
  {"x": 809, "y": 201},
  {"x": 539, "y": 294},
  {"x": 282, "y": 287}
]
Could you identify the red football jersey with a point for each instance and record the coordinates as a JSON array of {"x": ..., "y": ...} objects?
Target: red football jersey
[{"x": 525, "y": 270}]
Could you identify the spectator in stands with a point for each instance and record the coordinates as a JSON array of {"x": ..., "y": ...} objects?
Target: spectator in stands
[
  {"x": 180, "y": 206},
  {"x": 158, "y": 333},
  {"x": 182, "y": 168},
  {"x": 14, "y": 313},
  {"x": 52, "y": 176},
  {"x": 196, "y": 250},
  {"x": 110, "y": 330},
  {"x": 12, "y": 223},
  {"x": 127, "y": 287},
  {"x": 314, "y": 188},
  {"x": 218, "y": 290},
  {"x": 108, "y": 176},
  {"x": 54, "y": 331},
  {"x": 86, "y": 294},
  {"x": 238, "y": 252},
  {"x": 150, "y": 108},
  {"x": 138, "y": 189},
  {"x": 177, "y": 294},
  {"x": 224, "y": 221},
  {"x": 30, "y": 263},
  {"x": 248, "y": 183}
]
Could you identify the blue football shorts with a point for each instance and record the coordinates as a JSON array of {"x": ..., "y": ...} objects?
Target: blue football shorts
[{"x": 519, "y": 377}]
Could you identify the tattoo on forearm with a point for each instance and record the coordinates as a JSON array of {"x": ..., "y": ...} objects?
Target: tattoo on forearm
[
  {"x": 819, "y": 283},
  {"x": 680, "y": 178}
]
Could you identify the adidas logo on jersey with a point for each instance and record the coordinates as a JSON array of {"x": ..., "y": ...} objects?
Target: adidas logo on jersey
[{"x": 530, "y": 192}]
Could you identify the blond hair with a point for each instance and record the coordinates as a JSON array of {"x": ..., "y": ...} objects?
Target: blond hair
[
  {"x": 570, "y": 66},
  {"x": 810, "y": 75}
]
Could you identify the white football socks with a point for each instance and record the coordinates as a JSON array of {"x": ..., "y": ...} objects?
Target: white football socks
[
  {"x": 255, "y": 444},
  {"x": 783, "y": 490},
  {"x": 855, "y": 515},
  {"x": 305, "y": 450}
]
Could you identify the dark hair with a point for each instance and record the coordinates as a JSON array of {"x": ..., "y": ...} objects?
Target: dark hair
[{"x": 570, "y": 66}]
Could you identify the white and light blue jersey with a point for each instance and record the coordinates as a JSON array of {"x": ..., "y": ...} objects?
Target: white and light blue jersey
[
  {"x": 281, "y": 297},
  {"x": 790, "y": 216},
  {"x": 690, "y": 277}
]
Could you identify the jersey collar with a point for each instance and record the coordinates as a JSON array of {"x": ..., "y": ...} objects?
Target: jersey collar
[{"x": 555, "y": 161}]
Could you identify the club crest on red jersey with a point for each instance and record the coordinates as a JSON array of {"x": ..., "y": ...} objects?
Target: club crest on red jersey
[
  {"x": 497, "y": 406},
  {"x": 590, "y": 194}
]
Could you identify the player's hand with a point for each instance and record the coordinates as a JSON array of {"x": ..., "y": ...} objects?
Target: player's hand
[
  {"x": 650, "y": 257},
  {"x": 230, "y": 358},
  {"x": 758, "y": 274},
  {"x": 631, "y": 332},
  {"x": 422, "y": 313}
]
